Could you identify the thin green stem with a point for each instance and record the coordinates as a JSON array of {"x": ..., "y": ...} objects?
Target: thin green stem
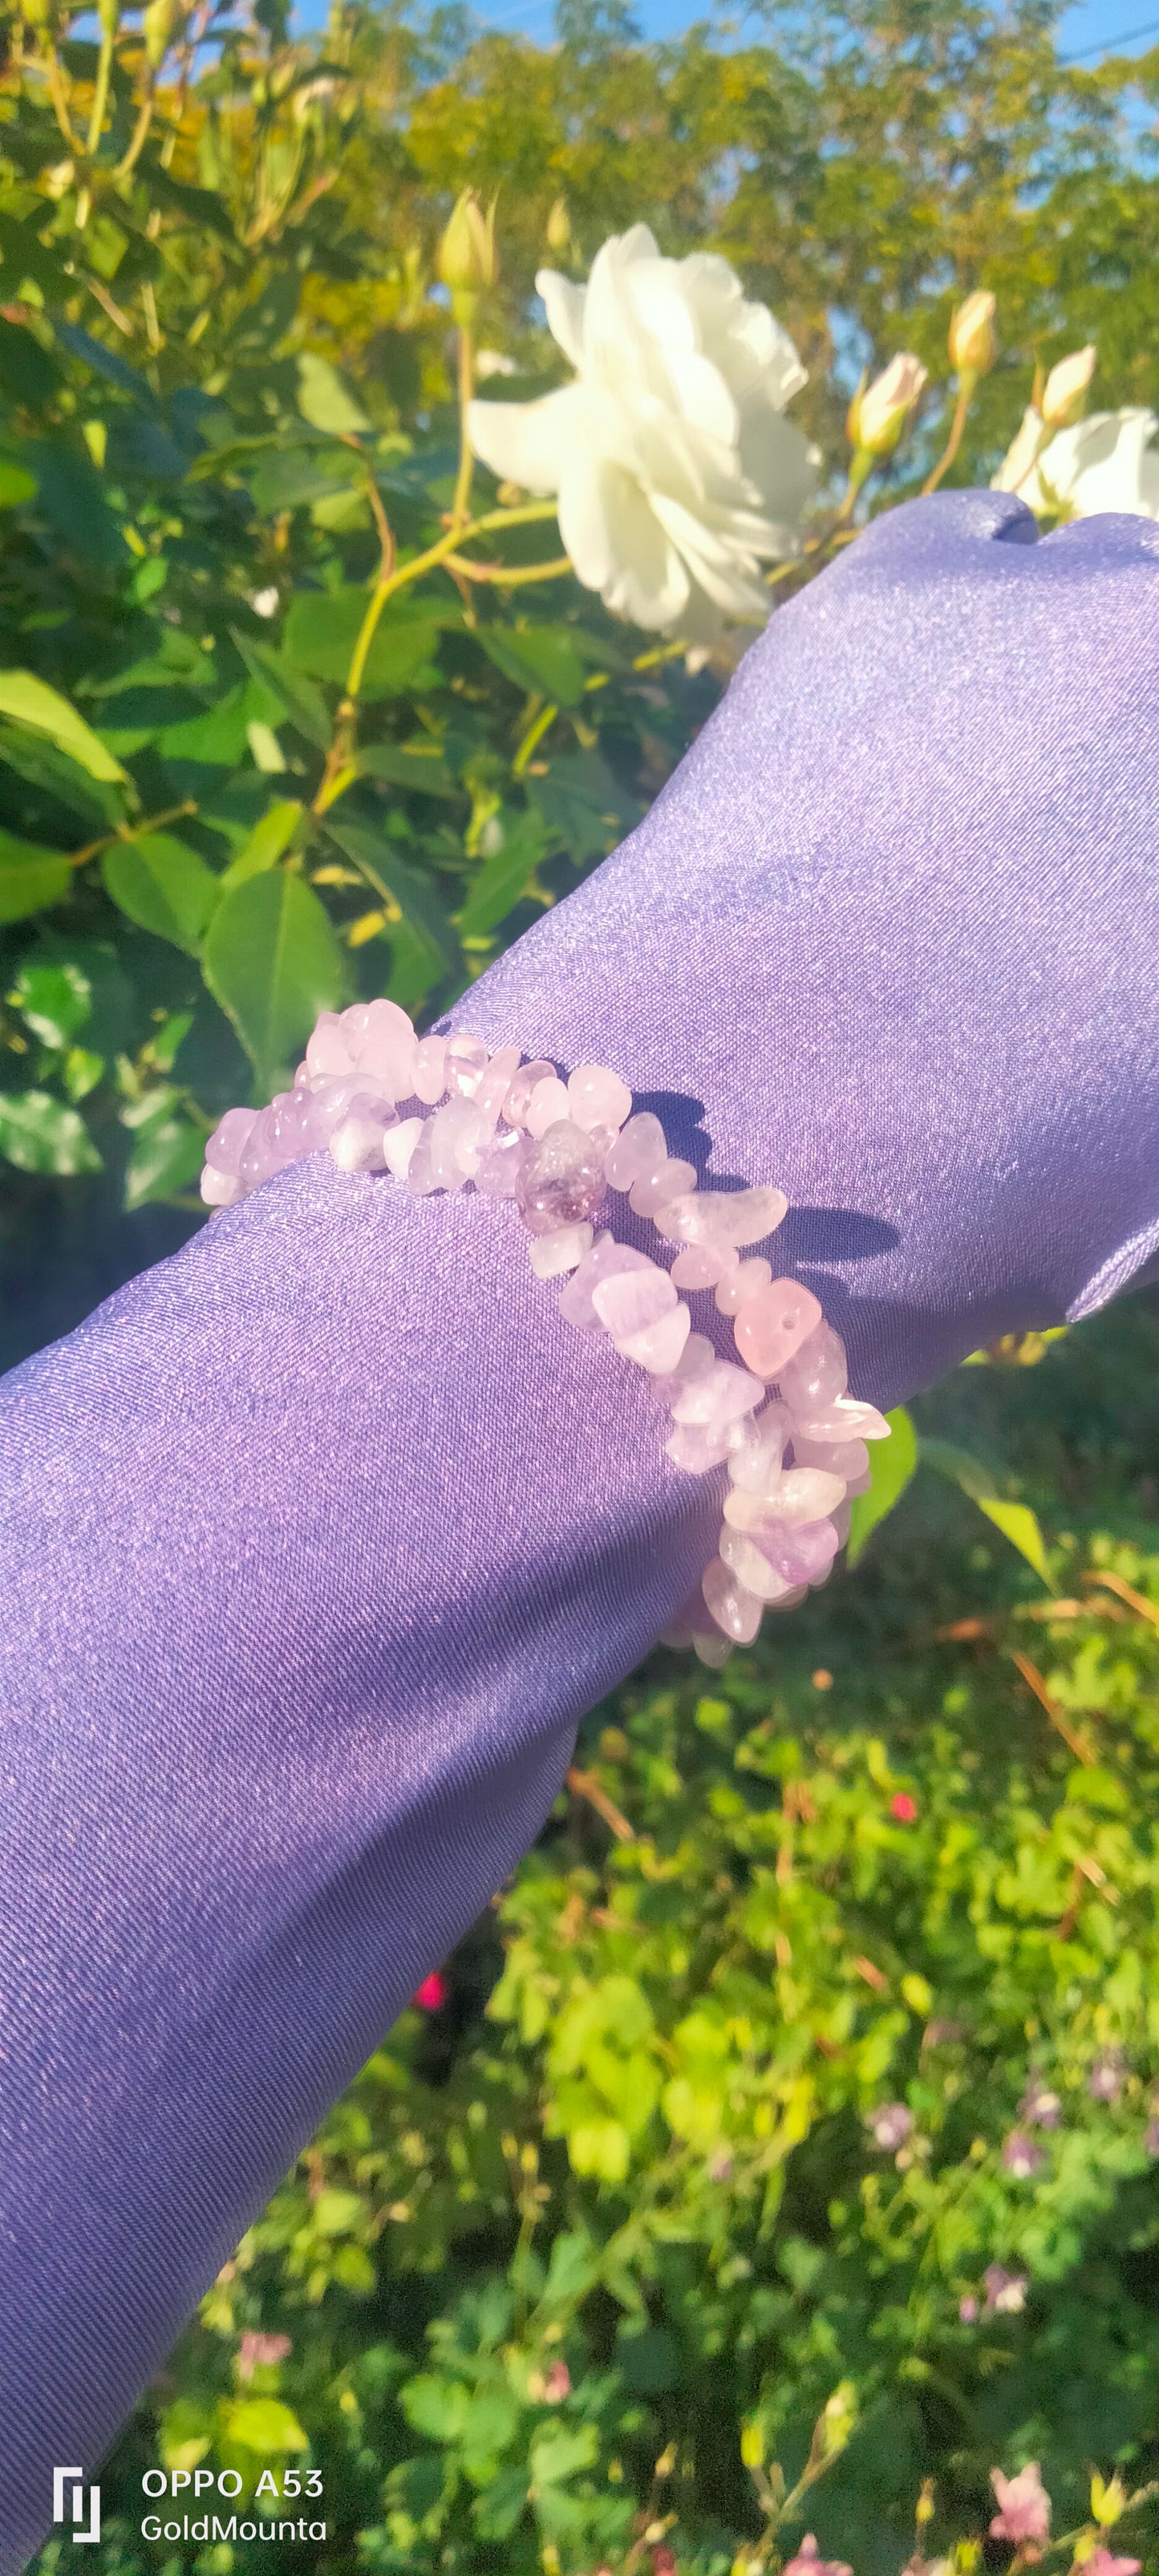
[
  {"x": 140, "y": 131},
  {"x": 462, "y": 501},
  {"x": 131, "y": 832},
  {"x": 509, "y": 576},
  {"x": 954, "y": 441},
  {"x": 100, "y": 95},
  {"x": 532, "y": 738}
]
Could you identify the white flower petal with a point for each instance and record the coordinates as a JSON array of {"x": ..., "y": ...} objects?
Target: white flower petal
[
  {"x": 525, "y": 442},
  {"x": 617, "y": 544},
  {"x": 565, "y": 311}
]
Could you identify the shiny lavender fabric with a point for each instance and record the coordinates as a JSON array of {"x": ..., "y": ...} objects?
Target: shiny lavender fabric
[{"x": 318, "y": 1539}]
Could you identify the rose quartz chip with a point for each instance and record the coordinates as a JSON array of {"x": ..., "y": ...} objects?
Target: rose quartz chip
[
  {"x": 755, "y": 1463},
  {"x": 639, "y": 1148},
  {"x": 844, "y": 1419},
  {"x": 771, "y": 1326},
  {"x": 742, "y": 1282},
  {"x": 597, "y": 1098},
  {"x": 220, "y": 1189},
  {"x": 357, "y": 1145},
  {"x": 606, "y": 1256},
  {"x": 737, "y": 1612},
  {"x": 502, "y": 1160},
  {"x": 327, "y": 1050},
  {"x": 712, "y": 1652},
  {"x": 722, "y": 1217},
  {"x": 523, "y": 1083},
  {"x": 547, "y": 1106},
  {"x": 398, "y": 1145},
  {"x": 429, "y": 1073},
  {"x": 750, "y": 1567},
  {"x": 801, "y": 1494},
  {"x": 818, "y": 1372},
  {"x": 720, "y": 1397},
  {"x": 848, "y": 1459},
  {"x": 695, "y": 1449},
  {"x": 670, "y": 1180},
  {"x": 454, "y": 1126},
  {"x": 700, "y": 1265},
  {"x": 464, "y": 1064},
  {"x": 496, "y": 1083},
  {"x": 388, "y": 1048},
  {"x": 552, "y": 1254},
  {"x": 632, "y": 1299},
  {"x": 696, "y": 1356},
  {"x": 658, "y": 1347},
  {"x": 229, "y": 1140},
  {"x": 801, "y": 1555}
]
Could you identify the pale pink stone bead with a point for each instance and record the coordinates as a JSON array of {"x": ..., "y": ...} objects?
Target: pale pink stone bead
[
  {"x": 712, "y": 1652},
  {"x": 671, "y": 1179},
  {"x": 844, "y": 1419},
  {"x": 800, "y": 1494},
  {"x": 464, "y": 1064},
  {"x": 547, "y": 1107},
  {"x": 737, "y": 1611},
  {"x": 597, "y": 1098},
  {"x": 302, "y": 1076},
  {"x": 750, "y": 1567},
  {"x": 803, "y": 1554},
  {"x": 722, "y": 1217},
  {"x": 453, "y": 1126},
  {"x": 720, "y": 1397},
  {"x": 420, "y": 1174},
  {"x": 639, "y": 1148},
  {"x": 630, "y": 1300},
  {"x": 327, "y": 1050},
  {"x": 695, "y": 1449},
  {"x": 502, "y": 1161},
  {"x": 606, "y": 1256},
  {"x": 398, "y": 1145},
  {"x": 220, "y": 1189},
  {"x": 429, "y": 1070},
  {"x": 357, "y": 1145},
  {"x": 354, "y": 1026},
  {"x": 388, "y": 1048},
  {"x": 841, "y": 1519},
  {"x": 771, "y": 1326},
  {"x": 551, "y": 1254},
  {"x": 742, "y": 1282},
  {"x": 817, "y": 1373},
  {"x": 658, "y": 1347},
  {"x": 562, "y": 1183},
  {"x": 523, "y": 1083},
  {"x": 229, "y": 1140},
  {"x": 700, "y": 1265},
  {"x": 696, "y": 1356},
  {"x": 496, "y": 1083},
  {"x": 755, "y": 1464},
  {"x": 789, "y": 1600},
  {"x": 846, "y": 1458}
]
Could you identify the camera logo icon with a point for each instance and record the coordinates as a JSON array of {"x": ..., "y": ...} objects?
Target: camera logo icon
[{"x": 74, "y": 2478}]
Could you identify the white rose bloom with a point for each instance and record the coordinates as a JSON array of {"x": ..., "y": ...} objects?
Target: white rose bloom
[
  {"x": 675, "y": 474},
  {"x": 1103, "y": 463}
]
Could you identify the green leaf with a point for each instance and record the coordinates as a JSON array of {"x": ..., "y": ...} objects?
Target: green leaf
[
  {"x": 583, "y": 805},
  {"x": 163, "y": 886},
  {"x": 272, "y": 961},
  {"x": 39, "y": 1134},
  {"x": 16, "y": 484},
  {"x": 891, "y": 1464},
  {"x": 504, "y": 876},
  {"x": 27, "y": 374},
  {"x": 220, "y": 737},
  {"x": 30, "y": 877},
  {"x": 435, "y": 2406},
  {"x": 325, "y": 399},
  {"x": 267, "y": 843},
  {"x": 322, "y": 630},
  {"x": 166, "y": 1157},
  {"x": 31, "y": 702},
  {"x": 299, "y": 699},
  {"x": 429, "y": 950},
  {"x": 1019, "y": 1524},
  {"x": 411, "y": 765},
  {"x": 264, "y": 2425},
  {"x": 73, "y": 498},
  {"x": 542, "y": 658},
  {"x": 54, "y": 1000},
  {"x": 960, "y": 1469},
  {"x": 99, "y": 805}
]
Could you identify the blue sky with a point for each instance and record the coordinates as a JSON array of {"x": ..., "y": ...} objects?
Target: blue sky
[{"x": 1087, "y": 24}]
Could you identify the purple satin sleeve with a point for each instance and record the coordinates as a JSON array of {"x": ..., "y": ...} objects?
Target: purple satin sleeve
[{"x": 319, "y": 1538}]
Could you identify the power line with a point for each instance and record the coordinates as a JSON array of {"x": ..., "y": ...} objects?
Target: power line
[{"x": 1130, "y": 36}]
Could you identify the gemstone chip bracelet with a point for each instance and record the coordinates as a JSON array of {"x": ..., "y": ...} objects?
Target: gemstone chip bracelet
[{"x": 780, "y": 1414}]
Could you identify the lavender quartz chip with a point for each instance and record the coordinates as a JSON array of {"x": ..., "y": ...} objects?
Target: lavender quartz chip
[{"x": 562, "y": 1182}]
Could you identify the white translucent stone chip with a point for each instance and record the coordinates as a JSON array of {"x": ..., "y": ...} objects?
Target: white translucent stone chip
[
  {"x": 713, "y": 1652},
  {"x": 357, "y": 1145},
  {"x": 750, "y": 1567},
  {"x": 220, "y": 1189},
  {"x": 722, "y": 1217},
  {"x": 801, "y": 1494},
  {"x": 639, "y": 1148},
  {"x": 657, "y": 1347},
  {"x": 552, "y": 1254},
  {"x": 548, "y": 1103},
  {"x": 742, "y": 1281},
  {"x": 736, "y": 1610},
  {"x": 720, "y": 1397},
  {"x": 398, "y": 1145},
  {"x": 430, "y": 1070},
  {"x": 630, "y": 1300},
  {"x": 495, "y": 1084},
  {"x": 696, "y": 1356},
  {"x": 597, "y": 1098},
  {"x": 846, "y": 1458},
  {"x": 843, "y": 1420},
  {"x": 694, "y": 1449},
  {"x": 669, "y": 1180},
  {"x": 606, "y": 1255}
]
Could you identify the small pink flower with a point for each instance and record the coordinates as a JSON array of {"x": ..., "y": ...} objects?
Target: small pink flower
[
  {"x": 890, "y": 2125},
  {"x": 809, "y": 2562},
  {"x": 1107, "y": 2076},
  {"x": 1102, "y": 2563},
  {"x": 968, "y": 2311},
  {"x": 1039, "y": 2106},
  {"x": 557, "y": 2384},
  {"x": 1005, "y": 2291},
  {"x": 256, "y": 2349},
  {"x": 1020, "y": 2155},
  {"x": 432, "y": 1994},
  {"x": 663, "y": 2563},
  {"x": 1023, "y": 2514},
  {"x": 719, "y": 2165},
  {"x": 904, "y": 1808}
]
